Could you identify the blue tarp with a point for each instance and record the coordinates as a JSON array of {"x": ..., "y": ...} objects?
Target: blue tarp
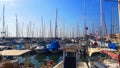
[
  {"x": 54, "y": 45},
  {"x": 112, "y": 46},
  {"x": 19, "y": 46}
]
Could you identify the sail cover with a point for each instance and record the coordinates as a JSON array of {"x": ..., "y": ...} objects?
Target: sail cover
[
  {"x": 112, "y": 46},
  {"x": 54, "y": 45}
]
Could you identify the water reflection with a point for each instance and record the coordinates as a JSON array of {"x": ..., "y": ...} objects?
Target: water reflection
[
  {"x": 56, "y": 57},
  {"x": 38, "y": 58}
]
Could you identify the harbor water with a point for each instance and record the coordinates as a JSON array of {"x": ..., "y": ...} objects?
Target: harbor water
[{"x": 37, "y": 59}]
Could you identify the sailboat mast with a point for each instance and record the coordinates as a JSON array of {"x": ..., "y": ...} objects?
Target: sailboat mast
[
  {"x": 101, "y": 18},
  {"x": 3, "y": 31},
  {"x": 22, "y": 29},
  {"x": 7, "y": 31},
  {"x": 77, "y": 30},
  {"x": 50, "y": 29},
  {"x": 30, "y": 31},
  {"x": 33, "y": 30},
  {"x": 105, "y": 27},
  {"x": 42, "y": 26},
  {"x": 112, "y": 19},
  {"x": 17, "y": 35},
  {"x": 119, "y": 13},
  {"x": 93, "y": 28},
  {"x": 27, "y": 31},
  {"x": 63, "y": 29},
  {"x": 84, "y": 18},
  {"x": 112, "y": 22},
  {"x": 56, "y": 34},
  {"x": 73, "y": 32},
  {"x": 44, "y": 29}
]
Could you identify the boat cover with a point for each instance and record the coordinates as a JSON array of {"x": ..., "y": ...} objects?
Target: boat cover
[
  {"x": 19, "y": 46},
  {"x": 112, "y": 46},
  {"x": 54, "y": 45}
]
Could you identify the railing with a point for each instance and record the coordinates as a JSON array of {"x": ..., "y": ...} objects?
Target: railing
[{"x": 59, "y": 65}]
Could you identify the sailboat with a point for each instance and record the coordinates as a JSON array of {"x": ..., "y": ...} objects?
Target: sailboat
[
  {"x": 3, "y": 33},
  {"x": 116, "y": 36},
  {"x": 54, "y": 45},
  {"x": 113, "y": 37}
]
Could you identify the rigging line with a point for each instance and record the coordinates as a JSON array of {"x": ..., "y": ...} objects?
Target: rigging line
[
  {"x": 1, "y": 17},
  {"x": 105, "y": 27}
]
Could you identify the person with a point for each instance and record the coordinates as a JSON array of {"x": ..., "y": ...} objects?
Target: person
[
  {"x": 95, "y": 44},
  {"x": 9, "y": 64},
  {"x": 52, "y": 62},
  {"x": 45, "y": 64}
]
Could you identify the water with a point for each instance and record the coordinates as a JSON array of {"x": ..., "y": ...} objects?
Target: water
[{"x": 38, "y": 58}]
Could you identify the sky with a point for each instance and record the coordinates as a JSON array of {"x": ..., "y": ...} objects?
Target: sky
[{"x": 70, "y": 12}]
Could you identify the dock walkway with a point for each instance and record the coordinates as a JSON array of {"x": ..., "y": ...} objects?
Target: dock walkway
[{"x": 82, "y": 65}]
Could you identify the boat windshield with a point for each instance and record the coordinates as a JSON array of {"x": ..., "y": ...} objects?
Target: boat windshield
[{"x": 69, "y": 54}]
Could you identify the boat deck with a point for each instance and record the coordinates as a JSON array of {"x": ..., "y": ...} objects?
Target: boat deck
[
  {"x": 110, "y": 63},
  {"x": 107, "y": 63},
  {"x": 82, "y": 65},
  {"x": 79, "y": 65}
]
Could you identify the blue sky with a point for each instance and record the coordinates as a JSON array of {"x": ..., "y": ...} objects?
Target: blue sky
[{"x": 70, "y": 12}]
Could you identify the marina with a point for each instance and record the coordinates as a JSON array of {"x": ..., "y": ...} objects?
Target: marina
[{"x": 44, "y": 34}]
